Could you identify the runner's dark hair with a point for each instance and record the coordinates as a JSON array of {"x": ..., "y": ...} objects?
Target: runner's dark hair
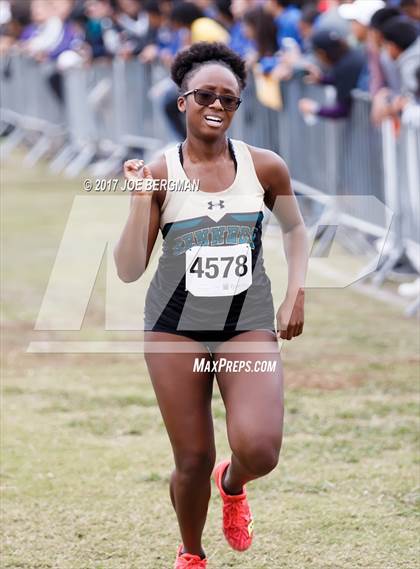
[{"x": 188, "y": 61}]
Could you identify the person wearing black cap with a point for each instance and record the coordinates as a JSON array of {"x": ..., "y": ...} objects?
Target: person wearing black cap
[
  {"x": 344, "y": 64},
  {"x": 402, "y": 43},
  {"x": 383, "y": 70}
]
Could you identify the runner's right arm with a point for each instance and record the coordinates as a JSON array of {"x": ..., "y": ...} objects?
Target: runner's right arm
[{"x": 133, "y": 250}]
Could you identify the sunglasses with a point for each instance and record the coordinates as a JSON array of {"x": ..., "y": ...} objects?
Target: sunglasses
[{"x": 206, "y": 98}]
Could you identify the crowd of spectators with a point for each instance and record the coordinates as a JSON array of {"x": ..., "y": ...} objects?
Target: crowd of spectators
[{"x": 372, "y": 45}]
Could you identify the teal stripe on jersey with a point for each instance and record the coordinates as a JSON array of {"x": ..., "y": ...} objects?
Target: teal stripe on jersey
[
  {"x": 189, "y": 224},
  {"x": 246, "y": 216}
]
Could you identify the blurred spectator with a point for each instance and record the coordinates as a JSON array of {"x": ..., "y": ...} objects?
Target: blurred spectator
[
  {"x": 128, "y": 36},
  {"x": 383, "y": 70},
  {"x": 294, "y": 57},
  {"x": 402, "y": 43},
  {"x": 307, "y": 24},
  {"x": 330, "y": 18},
  {"x": 189, "y": 18},
  {"x": 130, "y": 17},
  {"x": 411, "y": 8},
  {"x": 261, "y": 29},
  {"x": 223, "y": 13},
  {"x": 52, "y": 37},
  {"x": 15, "y": 17},
  {"x": 44, "y": 32},
  {"x": 238, "y": 40},
  {"x": 360, "y": 13},
  {"x": 158, "y": 34},
  {"x": 96, "y": 20},
  {"x": 344, "y": 67},
  {"x": 156, "y": 21},
  {"x": 52, "y": 31},
  {"x": 70, "y": 40},
  {"x": 169, "y": 38},
  {"x": 287, "y": 17}
]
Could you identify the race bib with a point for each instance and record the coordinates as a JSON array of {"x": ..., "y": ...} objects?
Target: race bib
[{"x": 218, "y": 271}]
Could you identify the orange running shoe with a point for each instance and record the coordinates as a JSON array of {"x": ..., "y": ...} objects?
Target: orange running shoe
[
  {"x": 238, "y": 525},
  {"x": 189, "y": 561}
]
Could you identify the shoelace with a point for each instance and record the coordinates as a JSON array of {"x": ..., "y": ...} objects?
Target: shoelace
[{"x": 235, "y": 517}]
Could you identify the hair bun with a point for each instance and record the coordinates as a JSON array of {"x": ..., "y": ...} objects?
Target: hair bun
[{"x": 205, "y": 52}]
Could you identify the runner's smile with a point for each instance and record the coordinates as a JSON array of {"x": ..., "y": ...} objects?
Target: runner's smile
[{"x": 214, "y": 121}]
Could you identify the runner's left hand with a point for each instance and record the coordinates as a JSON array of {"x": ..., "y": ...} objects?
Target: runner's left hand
[{"x": 290, "y": 316}]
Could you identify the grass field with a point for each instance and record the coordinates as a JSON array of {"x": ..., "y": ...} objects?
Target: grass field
[{"x": 86, "y": 458}]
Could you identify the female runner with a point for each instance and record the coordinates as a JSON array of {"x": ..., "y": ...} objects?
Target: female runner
[{"x": 210, "y": 295}]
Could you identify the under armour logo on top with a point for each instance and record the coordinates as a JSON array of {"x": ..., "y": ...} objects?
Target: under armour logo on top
[{"x": 212, "y": 205}]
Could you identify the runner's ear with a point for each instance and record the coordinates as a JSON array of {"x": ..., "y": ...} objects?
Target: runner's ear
[{"x": 181, "y": 104}]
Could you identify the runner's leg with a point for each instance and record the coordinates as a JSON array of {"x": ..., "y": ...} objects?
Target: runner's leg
[
  {"x": 254, "y": 412},
  {"x": 184, "y": 398}
]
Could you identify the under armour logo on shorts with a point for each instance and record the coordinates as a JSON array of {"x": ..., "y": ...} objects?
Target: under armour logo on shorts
[{"x": 212, "y": 205}]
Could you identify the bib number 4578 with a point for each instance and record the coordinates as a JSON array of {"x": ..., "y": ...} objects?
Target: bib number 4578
[
  {"x": 209, "y": 274},
  {"x": 213, "y": 266}
]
